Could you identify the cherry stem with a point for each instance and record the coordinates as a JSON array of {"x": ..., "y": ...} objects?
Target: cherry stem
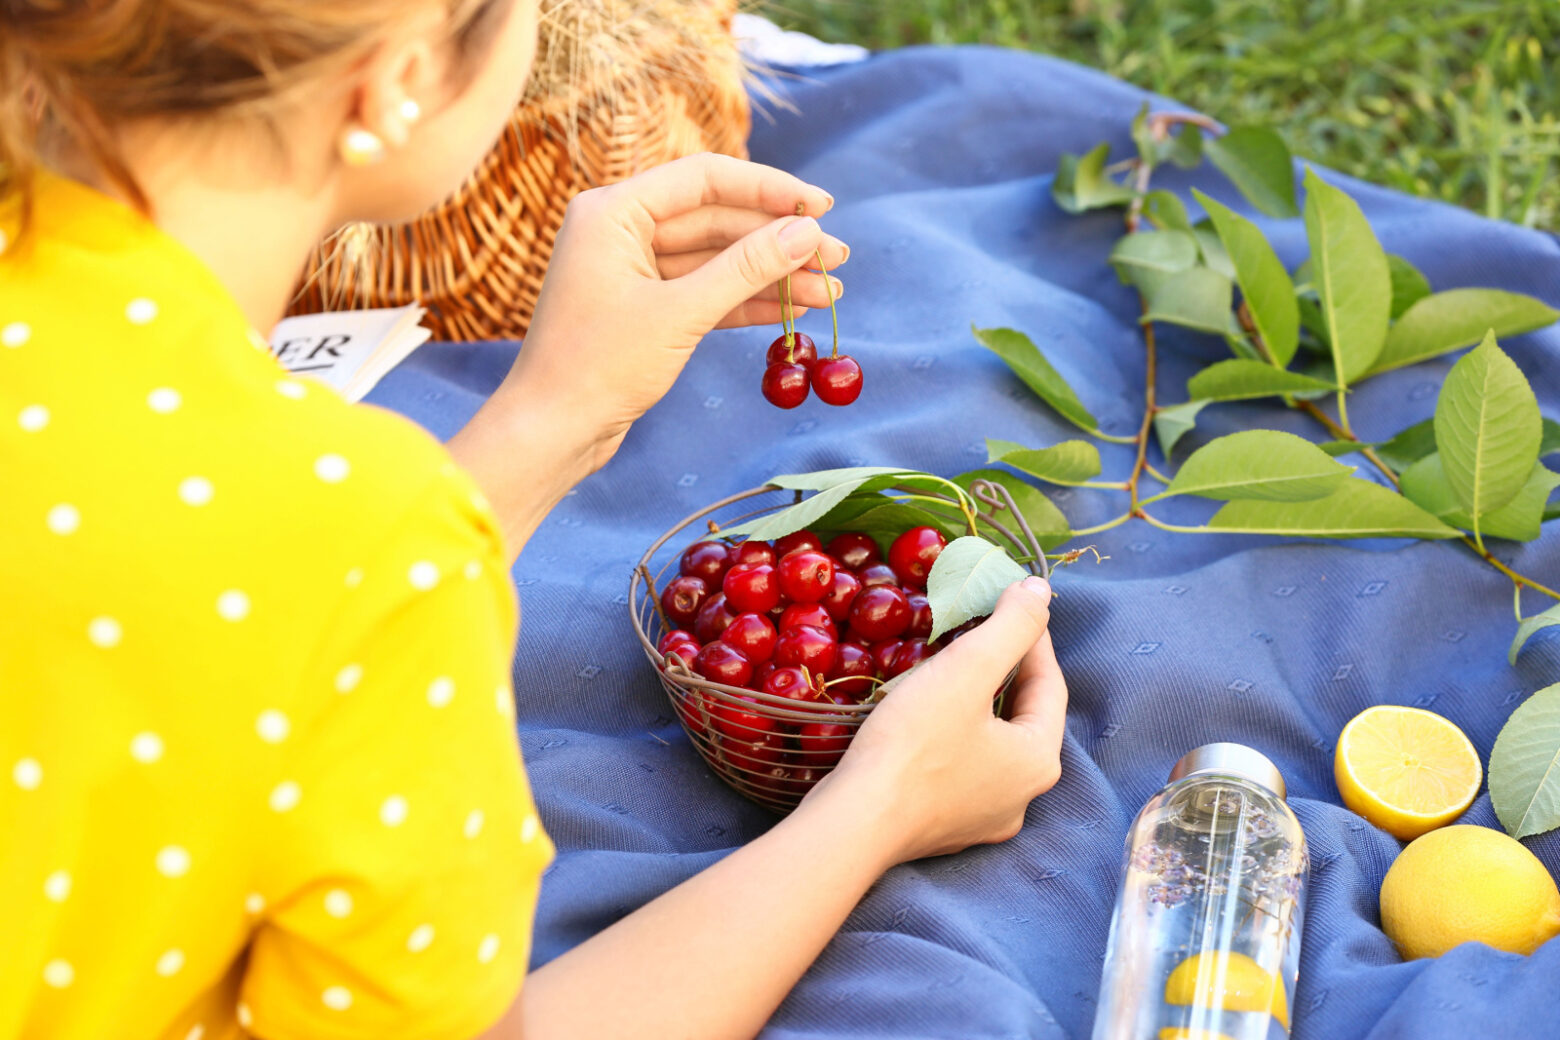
[
  {"x": 655, "y": 599},
  {"x": 788, "y": 323},
  {"x": 834, "y": 314}
]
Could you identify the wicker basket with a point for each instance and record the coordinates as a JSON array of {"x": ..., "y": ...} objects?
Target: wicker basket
[
  {"x": 719, "y": 719},
  {"x": 619, "y": 87}
]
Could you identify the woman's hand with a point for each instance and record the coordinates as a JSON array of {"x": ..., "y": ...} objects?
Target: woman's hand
[
  {"x": 644, "y": 269},
  {"x": 933, "y": 762}
]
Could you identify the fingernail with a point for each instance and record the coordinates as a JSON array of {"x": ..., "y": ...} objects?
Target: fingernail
[
  {"x": 799, "y": 238},
  {"x": 847, "y": 252},
  {"x": 1039, "y": 586},
  {"x": 831, "y": 202},
  {"x": 839, "y": 287}
]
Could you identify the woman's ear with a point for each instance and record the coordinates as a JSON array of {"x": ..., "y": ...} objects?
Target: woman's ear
[{"x": 396, "y": 84}]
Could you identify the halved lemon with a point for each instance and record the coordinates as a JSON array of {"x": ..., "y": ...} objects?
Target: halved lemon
[
  {"x": 1231, "y": 981},
  {"x": 1406, "y": 770}
]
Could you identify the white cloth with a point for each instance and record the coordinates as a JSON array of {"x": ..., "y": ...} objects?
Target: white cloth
[{"x": 764, "y": 43}]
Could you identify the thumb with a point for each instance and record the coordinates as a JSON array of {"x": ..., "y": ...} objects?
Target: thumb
[
  {"x": 998, "y": 643},
  {"x": 752, "y": 263}
]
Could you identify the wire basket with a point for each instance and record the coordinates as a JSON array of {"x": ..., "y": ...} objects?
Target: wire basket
[
  {"x": 724, "y": 723},
  {"x": 619, "y": 87}
]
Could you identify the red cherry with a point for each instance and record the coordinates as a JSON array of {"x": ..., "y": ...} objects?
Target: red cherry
[
  {"x": 809, "y": 647},
  {"x": 814, "y": 614},
  {"x": 683, "y": 646},
  {"x": 801, "y": 779},
  {"x": 802, "y": 352},
  {"x": 911, "y": 653},
  {"x": 740, "y": 720},
  {"x": 721, "y": 663},
  {"x": 682, "y": 598},
  {"x": 676, "y": 635},
  {"x": 823, "y": 743},
  {"x": 754, "y": 551},
  {"x": 877, "y": 574},
  {"x": 752, "y": 588},
  {"x": 785, "y": 386},
  {"x": 841, "y": 594},
  {"x": 761, "y": 675},
  {"x": 713, "y": 618},
  {"x": 920, "y": 614},
  {"x": 707, "y": 560},
  {"x": 805, "y": 575},
  {"x": 855, "y": 639},
  {"x": 757, "y": 754},
  {"x": 837, "y": 380},
  {"x": 787, "y": 544},
  {"x": 752, "y": 636},
  {"x": 790, "y": 681},
  {"x": 884, "y": 654},
  {"x": 854, "y": 550},
  {"x": 913, "y": 554},
  {"x": 854, "y": 668},
  {"x": 880, "y": 612}
]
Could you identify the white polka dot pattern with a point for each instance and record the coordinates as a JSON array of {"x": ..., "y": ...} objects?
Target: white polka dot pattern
[
  {"x": 140, "y": 311},
  {"x": 56, "y": 887},
  {"x": 254, "y": 903},
  {"x": 59, "y": 974},
  {"x": 272, "y": 726},
  {"x": 292, "y": 388},
  {"x": 233, "y": 605},
  {"x": 505, "y": 700},
  {"x": 423, "y": 575},
  {"x": 332, "y": 469},
  {"x": 488, "y": 950},
  {"x": 441, "y": 691},
  {"x": 393, "y": 812},
  {"x": 354, "y": 577},
  {"x": 28, "y": 774},
  {"x": 474, "y": 821},
  {"x": 163, "y": 400},
  {"x": 473, "y": 569},
  {"x": 420, "y": 939},
  {"x": 15, "y": 334},
  {"x": 146, "y": 748},
  {"x": 338, "y": 903},
  {"x": 197, "y": 1032},
  {"x": 173, "y": 861},
  {"x": 337, "y": 998},
  {"x": 245, "y": 1017},
  {"x": 195, "y": 491},
  {"x": 348, "y": 678},
  {"x": 530, "y": 829},
  {"x": 33, "y": 418},
  {"x": 64, "y": 519},
  {"x": 104, "y": 632},
  {"x": 285, "y": 796},
  {"x": 170, "y": 963}
]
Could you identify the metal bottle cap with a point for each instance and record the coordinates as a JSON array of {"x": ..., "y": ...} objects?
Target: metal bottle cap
[{"x": 1230, "y": 760}]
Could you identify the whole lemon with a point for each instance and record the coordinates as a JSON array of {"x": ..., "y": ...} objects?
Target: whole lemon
[{"x": 1468, "y": 884}]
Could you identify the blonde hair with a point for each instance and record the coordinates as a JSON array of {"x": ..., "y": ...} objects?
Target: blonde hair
[{"x": 70, "y": 70}]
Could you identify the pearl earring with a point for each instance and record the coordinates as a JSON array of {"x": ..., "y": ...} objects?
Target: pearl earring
[
  {"x": 360, "y": 147},
  {"x": 411, "y": 111}
]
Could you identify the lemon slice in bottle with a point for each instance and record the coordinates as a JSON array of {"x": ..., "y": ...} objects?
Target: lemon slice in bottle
[{"x": 1230, "y": 981}]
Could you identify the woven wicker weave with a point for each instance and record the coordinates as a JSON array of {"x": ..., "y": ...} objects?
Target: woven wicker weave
[{"x": 619, "y": 87}]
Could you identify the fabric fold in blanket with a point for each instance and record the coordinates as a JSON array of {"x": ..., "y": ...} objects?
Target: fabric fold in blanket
[{"x": 941, "y": 162}]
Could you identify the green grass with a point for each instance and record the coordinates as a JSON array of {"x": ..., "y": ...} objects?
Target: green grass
[{"x": 1451, "y": 99}]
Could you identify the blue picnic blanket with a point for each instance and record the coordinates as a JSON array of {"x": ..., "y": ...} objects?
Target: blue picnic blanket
[{"x": 941, "y": 160}]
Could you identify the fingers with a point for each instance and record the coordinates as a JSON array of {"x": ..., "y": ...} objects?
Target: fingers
[
  {"x": 1008, "y": 636},
  {"x": 807, "y": 289},
  {"x": 748, "y": 266},
  {"x": 707, "y": 180},
  {"x": 755, "y": 312},
  {"x": 713, "y": 228},
  {"x": 1040, "y": 695}
]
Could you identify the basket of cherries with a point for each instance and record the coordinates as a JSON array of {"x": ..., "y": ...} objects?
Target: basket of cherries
[{"x": 775, "y": 619}]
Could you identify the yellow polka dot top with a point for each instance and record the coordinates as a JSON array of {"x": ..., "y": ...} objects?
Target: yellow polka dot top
[{"x": 258, "y": 768}]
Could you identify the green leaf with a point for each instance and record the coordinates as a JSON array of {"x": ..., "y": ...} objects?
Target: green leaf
[
  {"x": 1238, "y": 379},
  {"x": 1525, "y": 766},
  {"x": 1165, "y": 210},
  {"x": 1312, "y": 321},
  {"x": 1185, "y": 149},
  {"x": 818, "y": 480},
  {"x": 1408, "y": 285},
  {"x": 1519, "y": 519},
  {"x": 1174, "y": 422},
  {"x": 1458, "y": 318},
  {"x": 966, "y": 581},
  {"x": 1257, "y": 161},
  {"x": 1409, "y": 446},
  {"x": 795, "y": 517},
  {"x": 1081, "y": 183},
  {"x": 1213, "y": 252},
  {"x": 1264, "y": 464},
  {"x": 1358, "y": 509},
  {"x": 1550, "y": 443},
  {"x": 1070, "y": 462},
  {"x": 1026, "y": 361},
  {"x": 1197, "y": 298},
  {"x": 1050, "y": 526},
  {"x": 1487, "y": 428},
  {"x": 1353, "y": 282},
  {"x": 1528, "y": 627},
  {"x": 888, "y": 521},
  {"x": 1264, "y": 284},
  {"x": 1338, "y": 449},
  {"x": 1143, "y": 138},
  {"x": 1164, "y": 251}
]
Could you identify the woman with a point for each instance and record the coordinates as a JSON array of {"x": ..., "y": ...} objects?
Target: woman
[{"x": 255, "y": 717}]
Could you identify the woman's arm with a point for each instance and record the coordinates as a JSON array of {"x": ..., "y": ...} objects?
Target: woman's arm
[
  {"x": 931, "y": 771},
  {"x": 640, "y": 273}
]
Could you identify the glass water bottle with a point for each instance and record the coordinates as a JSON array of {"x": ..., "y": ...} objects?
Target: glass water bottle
[{"x": 1205, "y": 940}]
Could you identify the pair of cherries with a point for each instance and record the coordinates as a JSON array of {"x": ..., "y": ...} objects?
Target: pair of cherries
[{"x": 793, "y": 368}]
